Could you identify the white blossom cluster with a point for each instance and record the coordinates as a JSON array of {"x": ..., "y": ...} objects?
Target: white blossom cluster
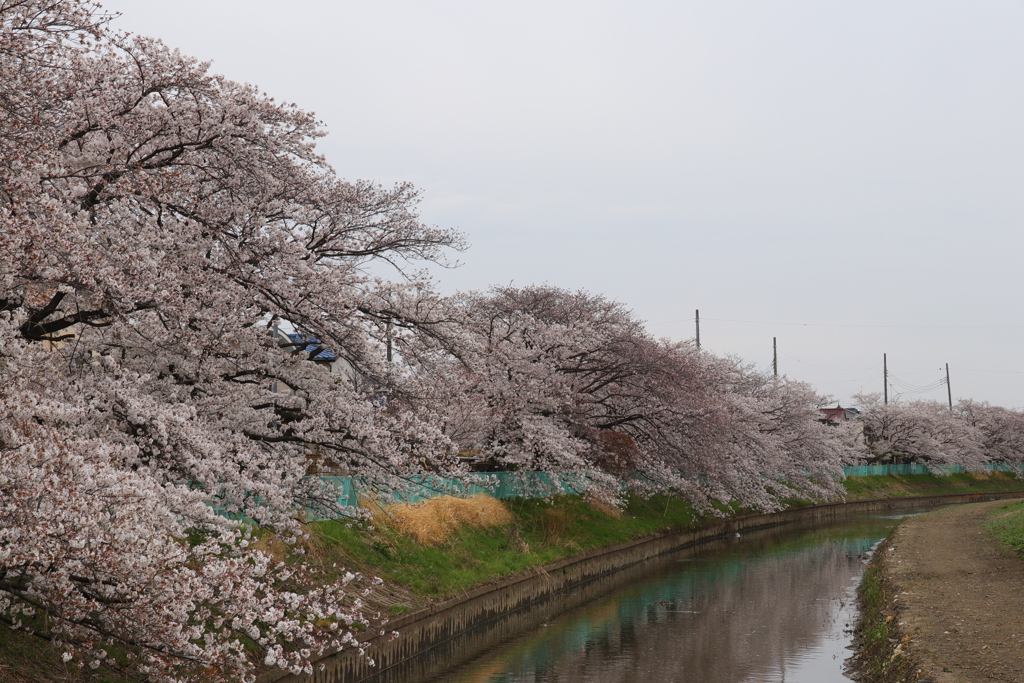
[
  {"x": 971, "y": 434},
  {"x": 156, "y": 221},
  {"x": 569, "y": 382}
]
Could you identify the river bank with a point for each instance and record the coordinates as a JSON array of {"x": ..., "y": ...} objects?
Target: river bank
[
  {"x": 944, "y": 602},
  {"x": 440, "y": 622},
  {"x": 542, "y": 532},
  {"x": 472, "y": 560}
]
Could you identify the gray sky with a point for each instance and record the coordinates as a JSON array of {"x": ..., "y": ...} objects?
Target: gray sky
[{"x": 843, "y": 175}]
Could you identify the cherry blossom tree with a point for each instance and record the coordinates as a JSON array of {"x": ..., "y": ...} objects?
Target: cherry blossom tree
[
  {"x": 774, "y": 441},
  {"x": 160, "y": 225},
  {"x": 923, "y": 432},
  {"x": 95, "y": 556},
  {"x": 159, "y": 222},
  {"x": 569, "y": 382},
  {"x": 1000, "y": 430}
]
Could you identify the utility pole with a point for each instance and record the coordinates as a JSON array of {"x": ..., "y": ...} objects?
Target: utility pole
[
  {"x": 698, "y": 329},
  {"x": 885, "y": 379},
  {"x": 775, "y": 358},
  {"x": 949, "y": 390}
]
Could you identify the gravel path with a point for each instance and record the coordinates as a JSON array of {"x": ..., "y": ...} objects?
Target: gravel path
[{"x": 962, "y": 596}]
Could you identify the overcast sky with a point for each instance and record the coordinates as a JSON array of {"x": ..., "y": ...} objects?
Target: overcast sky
[{"x": 845, "y": 176}]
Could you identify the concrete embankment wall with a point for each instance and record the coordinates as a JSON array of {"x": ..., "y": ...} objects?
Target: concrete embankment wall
[{"x": 531, "y": 597}]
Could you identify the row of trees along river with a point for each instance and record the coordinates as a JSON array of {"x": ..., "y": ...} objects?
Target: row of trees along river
[{"x": 158, "y": 221}]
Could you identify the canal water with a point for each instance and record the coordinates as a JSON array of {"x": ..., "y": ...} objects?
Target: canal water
[{"x": 775, "y": 607}]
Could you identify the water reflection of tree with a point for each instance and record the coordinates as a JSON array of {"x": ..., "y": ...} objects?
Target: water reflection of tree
[{"x": 727, "y": 620}]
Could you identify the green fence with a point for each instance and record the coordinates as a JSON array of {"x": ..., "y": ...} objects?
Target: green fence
[
  {"x": 882, "y": 470},
  {"x": 542, "y": 484},
  {"x": 498, "y": 484}
]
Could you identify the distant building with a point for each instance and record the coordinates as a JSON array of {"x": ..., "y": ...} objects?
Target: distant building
[
  {"x": 838, "y": 414},
  {"x": 315, "y": 351}
]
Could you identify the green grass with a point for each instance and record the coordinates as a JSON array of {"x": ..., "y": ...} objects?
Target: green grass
[
  {"x": 543, "y": 532},
  {"x": 890, "y": 486},
  {"x": 1007, "y": 525},
  {"x": 29, "y": 659},
  {"x": 540, "y": 532}
]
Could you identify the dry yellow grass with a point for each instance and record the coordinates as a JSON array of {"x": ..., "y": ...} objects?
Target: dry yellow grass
[
  {"x": 605, "y": 507},
  {"x": 432, "y": 521},
  {"x": 272, "y": 546},
  {"x": 989, "y": 474},
  {"x": 554, "y": 524}
]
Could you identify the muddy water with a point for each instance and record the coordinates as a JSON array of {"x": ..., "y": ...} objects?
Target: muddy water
[{"x": 774, "y": 607}]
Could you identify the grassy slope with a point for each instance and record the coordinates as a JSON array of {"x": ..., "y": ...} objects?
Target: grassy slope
[
  {"x": 540, "y": 532},
  {"x": 858, "y": 488},
  {"x": 1007, "y": 525},
  {"x": 28, "y": 659},
  {"x": 24, "y": 659},
  {"x": 543, "y": 532}
]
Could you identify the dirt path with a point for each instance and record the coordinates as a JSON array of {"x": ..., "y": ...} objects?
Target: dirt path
[{"x": 962, "y": 596}]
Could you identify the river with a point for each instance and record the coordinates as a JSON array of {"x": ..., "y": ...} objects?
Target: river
[{"x": 775, "y": 607}]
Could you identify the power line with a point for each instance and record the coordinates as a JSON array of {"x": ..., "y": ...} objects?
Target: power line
[
  {"x": 822, "y": 367},
  {"x": 908, "y": 385},
  {"x": 847, "y": 381},
  {"x": 919, "y": 372},
  {"x": 914, "y": 391},
  {"x": 875, "y": 327},
  {"x": 904, "y": 387},
  {"x": 997, "y": 372}
]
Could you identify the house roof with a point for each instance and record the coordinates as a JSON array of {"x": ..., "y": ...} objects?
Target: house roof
[{"x": 308, "y": 345}]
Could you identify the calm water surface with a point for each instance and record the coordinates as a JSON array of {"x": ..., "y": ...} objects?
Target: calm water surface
[{"x": 778, "y": 608}]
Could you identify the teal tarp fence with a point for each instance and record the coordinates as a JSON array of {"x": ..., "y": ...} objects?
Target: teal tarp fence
[
  {"x": 541, "y": 484},
  {"x": 497, "y": 484},
  {"x": 881, "y": 470}
]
